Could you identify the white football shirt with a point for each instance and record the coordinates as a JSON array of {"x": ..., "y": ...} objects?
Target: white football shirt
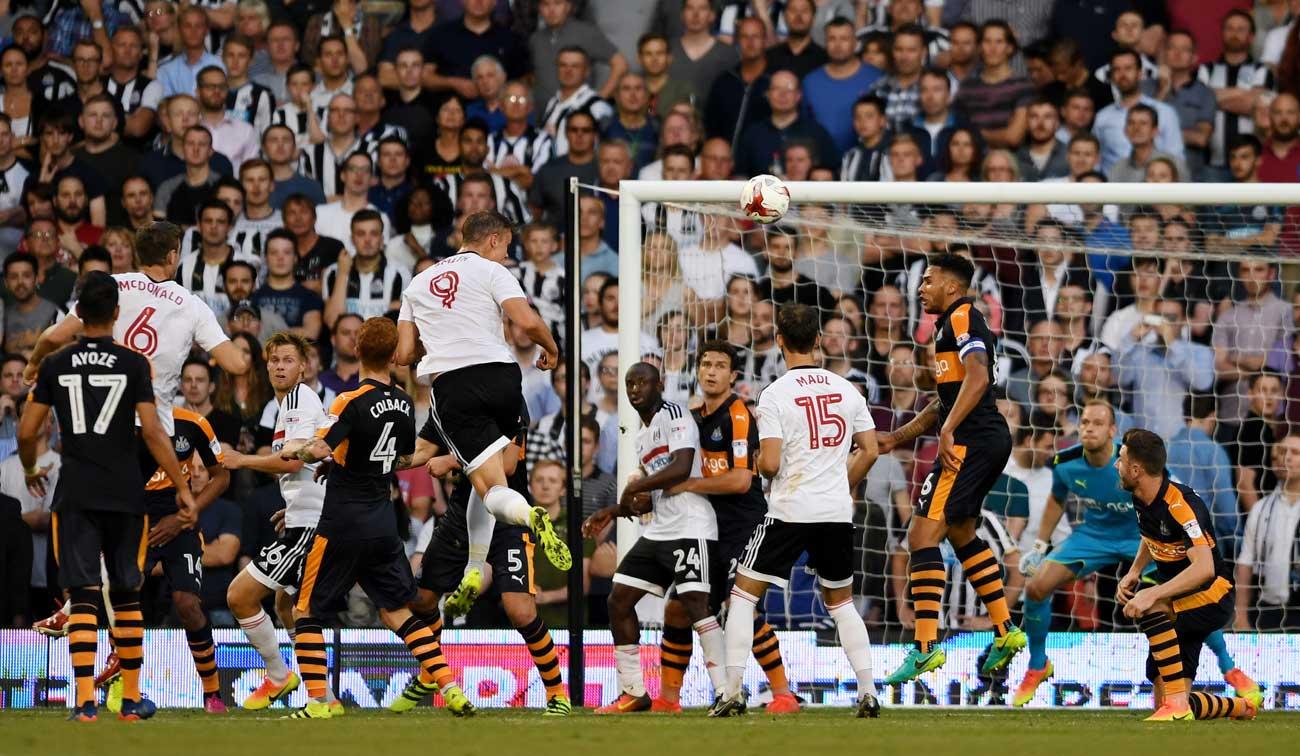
[
  {"x": 301, "y": 413},
  {"x": 456, "y": 307},
  {"x": 686, "y": 515},
  {"x": 161, "y": 321},
  {"x": 815, "y": 414}
]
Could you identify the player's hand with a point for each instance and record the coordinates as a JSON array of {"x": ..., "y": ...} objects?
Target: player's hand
[
  {"x": 232, "y": 460},
  {"x": 548, "y": 360},
  {"x": 947, "y": 451},
  {"x": 277, "y": 520},
  {"x": 323, "y": 469},
  {"x": 166, "y": 529},
  {"x": 886, "y": 442},
  {"x": 1140, "y": 604},
  {"x": 630, "y": 503},
  {"x": 30, "y": 372},
  {"x": 441, "y": 467},
  {"x": 1127, "y": 587},
  {"x": 592, "y": 526},
  {"x": 38, "y": 484},
  {"x": 906, "y": 615},
  {"x": 1033, "y": 559}
]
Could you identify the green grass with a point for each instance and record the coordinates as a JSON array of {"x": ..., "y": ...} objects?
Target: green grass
[{"x": 916, "y": 733}]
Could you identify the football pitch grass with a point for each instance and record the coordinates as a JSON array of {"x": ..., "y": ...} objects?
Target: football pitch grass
[{"x": 917, "y": 733}]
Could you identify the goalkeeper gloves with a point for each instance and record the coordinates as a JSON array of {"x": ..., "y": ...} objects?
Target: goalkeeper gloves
[{"x": 1030, "y": 562}]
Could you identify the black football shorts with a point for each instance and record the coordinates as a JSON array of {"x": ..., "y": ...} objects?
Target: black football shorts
[
  {"x": 336, "y": 563},
  {"x": 476, "y": 410},
  {"x": 81, "y": 537}
]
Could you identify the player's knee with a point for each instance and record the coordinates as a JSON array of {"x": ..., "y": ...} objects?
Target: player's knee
[
  {"x": 189, "y": 608},
  {"x": 621, "y": 601},
  {"x": 1038, "y": 590},
  {"x": 425, "y": 602},
  {"x": 521, "y": 613},
  {"x": 695, "y": 605},
  {"x": 675, "y": 614}
]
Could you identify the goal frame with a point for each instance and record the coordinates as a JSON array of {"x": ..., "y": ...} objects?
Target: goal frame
[{"x": 633, "y": 194}]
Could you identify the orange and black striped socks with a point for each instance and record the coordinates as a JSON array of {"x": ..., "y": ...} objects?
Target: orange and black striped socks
[
  {"x": 674, "y": 657},
  {"x": 984, "y": 573},
  {"x": 1210, "y": 706},
  {"x": 545, "y": 658},
  {"x": 1168, "y": 656},
  {"x": 82, "y": 641},
  {"x": 128, "y": 640},
  {"x": 424, "y": 647},
  {"x": 926, "y": 586},
  {"x": 767, "y": 651},
  {"x": 309, "y": 649},
  {"x": 204, "y": 652},
  {"x": 433, "y": 620}
]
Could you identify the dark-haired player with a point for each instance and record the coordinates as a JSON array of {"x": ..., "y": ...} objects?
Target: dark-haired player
[
  {"x": 729, "y": 448},
  {"x": 673, "y": 550},
  {"x": 453, "y": 312},
  {"x": 817, "y": 442},
  {"x": 98, "y": 389},
  {"x": 511, "y": 558},
  {"x": 974, "y": 444},
  {"x": 370, "y": 434},
  {"x": 1194, "y": 597}
]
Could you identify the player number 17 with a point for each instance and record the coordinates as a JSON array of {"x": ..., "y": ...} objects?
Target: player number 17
[{"x": 817, "y": 410}]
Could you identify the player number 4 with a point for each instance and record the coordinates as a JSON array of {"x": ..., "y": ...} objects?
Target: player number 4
[
  {"x": 385, "y": 451},
  {"x": 116, "y": 385},
  {"x": 817, "y": 410}
]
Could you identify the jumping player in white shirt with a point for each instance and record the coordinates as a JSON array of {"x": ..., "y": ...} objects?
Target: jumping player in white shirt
[
  {"x": 673, "y": 552},
  {"x": 817, "y": 441},
  {"x": 453, "y": 313},
  {"x": 278, "y": 568}
]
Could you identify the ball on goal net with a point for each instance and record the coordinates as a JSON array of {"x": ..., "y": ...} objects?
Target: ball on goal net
[{"x": 765, "y": 199}]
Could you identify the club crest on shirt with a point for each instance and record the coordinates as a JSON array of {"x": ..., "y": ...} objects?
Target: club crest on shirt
[
  {"x": 182, "y": 445},
  {"x": 716, "y": 435}
]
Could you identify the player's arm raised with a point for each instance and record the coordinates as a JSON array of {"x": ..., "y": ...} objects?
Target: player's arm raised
[
  {"x": 409, "y": 349},
  {"x": 521, "y": 312},
  {"x": 160, "y": 446},
  {"x": 52, "y": 339},
  {"x": 914, "y": 429},
  {"x": 969, "y": 395},
  {"x": 230, "y": 359}
]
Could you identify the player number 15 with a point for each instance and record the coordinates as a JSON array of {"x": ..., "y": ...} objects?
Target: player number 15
[{"x": 817, "y": 410}]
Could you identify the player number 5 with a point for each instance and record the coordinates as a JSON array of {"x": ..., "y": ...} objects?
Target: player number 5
[
  {"x": 817, "y": 410},
  {"x": 385, "y": 451}
]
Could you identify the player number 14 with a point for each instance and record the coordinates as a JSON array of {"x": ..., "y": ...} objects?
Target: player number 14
[{"x": 817, "y": 410}]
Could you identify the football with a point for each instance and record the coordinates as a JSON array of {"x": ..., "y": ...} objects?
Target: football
[{"x": 765, "y": 199}]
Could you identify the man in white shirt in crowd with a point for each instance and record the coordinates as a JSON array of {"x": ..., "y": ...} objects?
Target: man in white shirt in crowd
[{"x": 335, "y": 219}]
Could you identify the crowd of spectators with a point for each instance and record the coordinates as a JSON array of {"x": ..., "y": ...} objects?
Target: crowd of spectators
[{"x": 321, "y": 153}]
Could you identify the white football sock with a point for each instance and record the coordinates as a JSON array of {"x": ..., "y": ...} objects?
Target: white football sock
[
  {"x": 739, "y": 638},
  {"x": 508, "y": 505},
  {"x": 630, "y": 679},
  {"x": 856, "y": 644},
  {"x": 711, "y": 640},
  {"x": 480, "y": 523},
  {"x": 261, "y": 636}
]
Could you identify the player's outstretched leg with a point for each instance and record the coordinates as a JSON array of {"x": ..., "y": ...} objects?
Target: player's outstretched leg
[
  {"x": 1241, "y": 682},
  {"x": 984, "y": 573},
  {"x": 82, "y": 646},
  {"x": 128, "y": 638},
  {"x": 1210, "y": 706},
  {"x": 925, "y": 585},
  {"x": 1166, "y": 663},
  {"x": 675, "y": 648}
]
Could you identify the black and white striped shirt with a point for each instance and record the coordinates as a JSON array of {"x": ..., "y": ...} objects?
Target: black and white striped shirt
[
  {"x": 247, "y": 243},
  {"x": 558, "y": 111},
  {"x": 1227, "y": 126},
  {"x": 1271, "y": 546},
  {"x": 319, "y": 162},
  {"x": 135, "y": 93},
  {"x": 297, "y": 120},
  {"x": 378, "y": 133},
  {"x": 546, "y": 290},
  {"x": 863, "y": 163},
  {"x": 368, "y": 294},
  {"x": 511, "y": 200},
  {"x": 12, "y": 180},
  {"x": 533, "y": 148},
  {"x": 253, "y": 104},
  {"x": 206, "y": 281}
]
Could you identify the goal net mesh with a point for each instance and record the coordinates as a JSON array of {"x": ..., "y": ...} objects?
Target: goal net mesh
[{"x": 1179, "y": 316}]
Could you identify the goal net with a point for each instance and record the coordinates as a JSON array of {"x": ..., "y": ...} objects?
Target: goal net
[{"x": 1174, "y": 303}]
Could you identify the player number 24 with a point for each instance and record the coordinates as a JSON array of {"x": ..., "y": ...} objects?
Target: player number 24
[
  {"x": 817, "y": 410},
  {"x": 116, "y": 385}
]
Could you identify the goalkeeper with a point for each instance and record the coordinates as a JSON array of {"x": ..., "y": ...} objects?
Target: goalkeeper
[{"x": 1108, "y": 536}]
